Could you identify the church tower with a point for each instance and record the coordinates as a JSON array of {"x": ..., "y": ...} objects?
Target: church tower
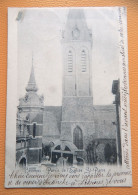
[
  {"x": 77, "y": 52},
  {"x": 77, "y": 103},
  {"x": 31, "y": 109}
]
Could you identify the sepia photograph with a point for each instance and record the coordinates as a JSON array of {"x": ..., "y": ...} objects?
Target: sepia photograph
[{"x": 68, "y": 98}]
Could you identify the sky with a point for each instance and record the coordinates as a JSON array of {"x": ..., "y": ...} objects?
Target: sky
[{"x": 39, "y": 37}]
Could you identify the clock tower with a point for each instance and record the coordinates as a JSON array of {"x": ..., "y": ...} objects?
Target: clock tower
[
  {"x": 77, "y": 52},
  {"x": 77, "y": 103}
]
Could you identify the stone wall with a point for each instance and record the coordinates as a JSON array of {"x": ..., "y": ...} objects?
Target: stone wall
[
  {"x": 68, "y": 128},
  {"x": 77, "y": 109}
]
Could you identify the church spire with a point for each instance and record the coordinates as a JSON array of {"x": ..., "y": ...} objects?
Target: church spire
[
  {"x": 32, "y": 84},
  {"x": 76, "y": 14},
  {"x": 76, "y": 26}
]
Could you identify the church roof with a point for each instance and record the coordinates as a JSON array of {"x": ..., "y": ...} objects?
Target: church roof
[
  {"x": 52, "y": 121},
  {"x": 106, "y": 108},
  {"x": 38, "y": 118}
]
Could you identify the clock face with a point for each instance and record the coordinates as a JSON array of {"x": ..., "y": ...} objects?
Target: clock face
[{"x": 76, "y": 33}]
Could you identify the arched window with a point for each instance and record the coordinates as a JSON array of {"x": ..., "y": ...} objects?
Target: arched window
[
  {"x": 70, "y": 61},
  {"x": 78, "y": 138},
  {"x": 83, "y": 61},
  {"x": 34, "y": 129}
]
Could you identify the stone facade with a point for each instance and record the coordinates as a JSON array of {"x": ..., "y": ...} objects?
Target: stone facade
[
  {"x": 77, "y": 45},
  {"x": 80, "y": 118}
]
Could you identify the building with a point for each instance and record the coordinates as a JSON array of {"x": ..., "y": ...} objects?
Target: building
[
  {"x": 116, "y": 92},
  {"x": 30, "y": 125},
  {"x": 77, "y": 131}
]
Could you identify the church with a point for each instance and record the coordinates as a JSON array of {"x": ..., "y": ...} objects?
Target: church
[{"x": 78, "y": 131}]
